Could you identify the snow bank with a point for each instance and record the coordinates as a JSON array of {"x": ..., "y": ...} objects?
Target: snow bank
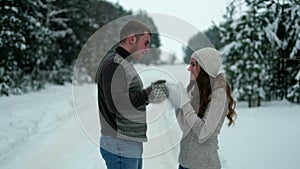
[{"x": 22, "y": 116}]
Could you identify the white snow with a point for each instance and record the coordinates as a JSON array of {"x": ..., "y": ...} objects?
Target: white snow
[
  {"x": 271, "y": 35},
  {"x": 41, "y": 130},
  {"x": 297, "y": 76}
]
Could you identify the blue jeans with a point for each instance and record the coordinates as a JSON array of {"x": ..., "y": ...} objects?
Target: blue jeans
[
  {"x": 121, "y": 154},
  {"x": 180, "y": 167}
]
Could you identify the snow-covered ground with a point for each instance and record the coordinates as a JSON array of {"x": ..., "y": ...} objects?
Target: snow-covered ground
[{"x": 58, "y": 128}]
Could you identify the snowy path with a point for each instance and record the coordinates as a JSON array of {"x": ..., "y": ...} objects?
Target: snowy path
[
  {"x": 56, "y": 141},
  {"x": 65, "y": 147}
]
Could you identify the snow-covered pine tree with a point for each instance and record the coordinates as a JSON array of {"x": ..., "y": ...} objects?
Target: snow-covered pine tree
[
  {"x": 294, "y": 90},
  {"x": 270, "y": 22},
  {"x": 246, "y": 52},
  {"x": 282, "y": 33},
  {"x": 22, "y": 60},
  {"x": 293, "y": 48},
  {"x": 231, "y": 54},
  {"x": 263, "y": 43},
  {"x": 65, "y": 44}
]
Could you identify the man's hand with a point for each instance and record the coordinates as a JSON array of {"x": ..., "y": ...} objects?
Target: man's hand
[{"x": 157, "y": 92}]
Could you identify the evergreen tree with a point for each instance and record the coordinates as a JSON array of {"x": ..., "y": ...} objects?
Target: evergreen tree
[
  {"x": 252, "y": 39},
  {"x": 61, "y": 52},
  {"x": 282, "y": 35},
  {"x": 23, "y": 44},
  {"x": 261, "y": 51},
  {"x": 245, "y": 55},
  {"x": 293, "y": 50},
  {"x": 231, "y": 56}
]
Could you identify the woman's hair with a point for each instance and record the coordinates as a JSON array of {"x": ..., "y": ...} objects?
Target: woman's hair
[
  {"x": 203, "y": 91},
  {"x": 231, "y": 106}
]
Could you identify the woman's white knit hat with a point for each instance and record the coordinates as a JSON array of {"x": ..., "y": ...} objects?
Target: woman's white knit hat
[{"x": 209, "y": 59}]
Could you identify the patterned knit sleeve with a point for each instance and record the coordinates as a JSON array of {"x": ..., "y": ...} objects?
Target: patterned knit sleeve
[
  {"x": 119, "y": 91},
  {"x": 206, "y": 126}
]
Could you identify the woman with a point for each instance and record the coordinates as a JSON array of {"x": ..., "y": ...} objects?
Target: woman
[{"x": 201, "y": 113}]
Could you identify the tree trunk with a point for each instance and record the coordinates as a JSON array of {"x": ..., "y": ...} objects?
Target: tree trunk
[
  {"x": 249, "y": 101},
  {"x": 258, "y": 94}
]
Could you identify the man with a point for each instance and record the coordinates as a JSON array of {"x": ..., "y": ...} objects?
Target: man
[{"x": 122, "y": 100}]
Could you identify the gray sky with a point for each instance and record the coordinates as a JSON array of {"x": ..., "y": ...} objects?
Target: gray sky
[{"x": 199, "y": 13}]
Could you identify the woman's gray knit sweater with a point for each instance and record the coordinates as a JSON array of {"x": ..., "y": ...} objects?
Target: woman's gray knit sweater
[{"x": 199, "y": 144}]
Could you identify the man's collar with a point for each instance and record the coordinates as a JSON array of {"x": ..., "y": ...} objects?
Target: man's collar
[{"x": 123, "y": 53}]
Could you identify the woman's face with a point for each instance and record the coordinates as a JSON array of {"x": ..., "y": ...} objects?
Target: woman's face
[{"x": 194, "y": 69}]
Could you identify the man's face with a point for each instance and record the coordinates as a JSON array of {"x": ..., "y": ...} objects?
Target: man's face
[{"x": 141, "y": 46}]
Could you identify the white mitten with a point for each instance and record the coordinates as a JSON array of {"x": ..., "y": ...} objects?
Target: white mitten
[{"x": 178, "y": 95}]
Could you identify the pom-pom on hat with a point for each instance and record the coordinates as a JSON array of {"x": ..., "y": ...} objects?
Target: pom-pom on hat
[{"x": 209, "y": 59}]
